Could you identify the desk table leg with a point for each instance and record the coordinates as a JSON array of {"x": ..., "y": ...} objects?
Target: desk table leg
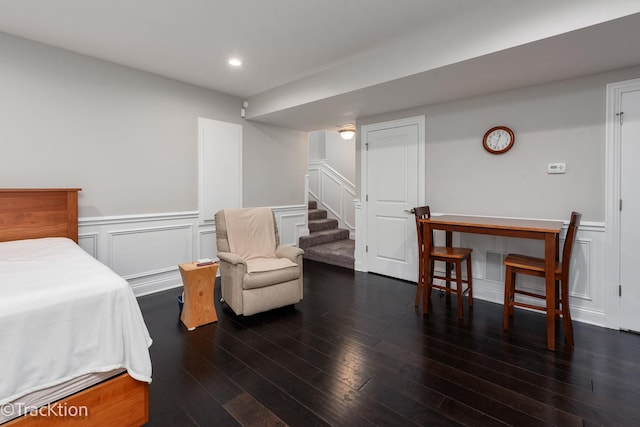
[
  {"x": 448, "y": 266},
  {"x": 550, "y": 286},
  {"x": 426, "y": 289}
]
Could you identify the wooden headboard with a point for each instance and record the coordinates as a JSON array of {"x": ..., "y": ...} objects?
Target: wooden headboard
[{"x": 27, "y": 213}]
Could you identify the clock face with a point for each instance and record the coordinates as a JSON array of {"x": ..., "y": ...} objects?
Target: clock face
[{"x": 498, "y": 140}]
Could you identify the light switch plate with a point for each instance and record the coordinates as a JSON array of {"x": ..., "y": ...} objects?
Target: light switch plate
[{"x": 557, "y": 167}]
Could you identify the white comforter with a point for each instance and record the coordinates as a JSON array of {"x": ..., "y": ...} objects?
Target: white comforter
[{"x": 64, "y": 314}]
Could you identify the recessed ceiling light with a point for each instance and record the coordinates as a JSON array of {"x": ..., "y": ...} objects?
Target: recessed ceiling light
[{"x": 235, "y": 62}]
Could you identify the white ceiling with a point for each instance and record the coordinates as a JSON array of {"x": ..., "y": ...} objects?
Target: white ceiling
[{"x": 314, "y": 64}]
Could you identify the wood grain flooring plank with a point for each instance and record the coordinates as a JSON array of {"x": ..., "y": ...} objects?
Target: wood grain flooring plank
[
  {"x": 409, "y": 408},
  {"x": 356, "y": 351},
  {"x": 277, "y": 401},
  {"x": 250, "y": 413},
  {"x": 325, "y": 406}
]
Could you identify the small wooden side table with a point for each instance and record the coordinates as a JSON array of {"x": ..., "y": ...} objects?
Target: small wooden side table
[{"x": 198, "y": 308}]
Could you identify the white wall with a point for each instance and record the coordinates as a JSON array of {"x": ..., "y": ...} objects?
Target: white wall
[
  {"x": 563, "y": 121},
  {"x": 338, "y": 153},
  {"x": 341, "y": 155},
  {"x": 129, "y": 139},
  {"x": 317, "y": 146},
  {"x": 126, "y": 137},
  {"x": 274, "y": 164},
  {"x": 558, "y": 122}
]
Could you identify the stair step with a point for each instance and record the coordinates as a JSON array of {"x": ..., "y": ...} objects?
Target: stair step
[
  {"x": 317, "y": 214},
  {"x": 322, "y": 224},
  {"x": 325, "y": 236},
  {"x": 312, "y": 204},
  {"x": 340, "y": 253}
]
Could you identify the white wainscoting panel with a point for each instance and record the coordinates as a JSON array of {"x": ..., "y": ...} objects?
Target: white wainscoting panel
[
  {"x": 331, "y": 193},
  {"x": 154, "y": 249},
  {"x": 292, "y": 223},
  {"x": 89, "y": 242},
  {"x": 348, "y": 209},
  {"x": 147, "y": 249},
  {"x": 314, "y": 181},
  {"x": 207, "y": 242},
  {"x": 586, "y": 277},
  {"x": 143, "y": 249}
]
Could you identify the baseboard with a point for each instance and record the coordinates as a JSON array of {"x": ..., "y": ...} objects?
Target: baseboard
[{"x": 147, "y": 249}]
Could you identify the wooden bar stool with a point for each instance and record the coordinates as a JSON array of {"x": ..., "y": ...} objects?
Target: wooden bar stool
[
  {"x": 450, "y": 255},
  {"x": 524, "y": 264}
]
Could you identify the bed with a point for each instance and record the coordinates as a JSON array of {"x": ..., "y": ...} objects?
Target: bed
[{"x": 72, "y": 337}]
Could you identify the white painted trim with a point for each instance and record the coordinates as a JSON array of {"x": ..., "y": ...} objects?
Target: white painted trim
[
  {"x": 587, "y": 302},
  {"x": 613, "y": 160},
  {"x": 362, "y": 214},
  {"x": 322, "y": 163},
  {"x": 345, "y": 193},
  {"x": 96, "y": 236},
  {"x": 129, "y": 219},
  {"x": 360, "y": 243},
  {"x": 214, "y": 138}
]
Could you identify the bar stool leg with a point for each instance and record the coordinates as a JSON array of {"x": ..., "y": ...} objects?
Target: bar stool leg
[
  {"x": 469, "y": 282},
  {"x": 459, "y": 289},
  {"x": 509, "y": 277},
  {"x": 420, "y": 283}
]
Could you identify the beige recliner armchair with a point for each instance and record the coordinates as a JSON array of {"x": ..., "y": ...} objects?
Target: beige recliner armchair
[{"x": 257, "y": 274}]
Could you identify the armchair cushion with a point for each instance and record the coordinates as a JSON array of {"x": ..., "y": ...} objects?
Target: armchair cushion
[
  {"x": 250, "y": 232},
  {"x": 262, "y": 279},
  {"x": 256, "y": 265}
]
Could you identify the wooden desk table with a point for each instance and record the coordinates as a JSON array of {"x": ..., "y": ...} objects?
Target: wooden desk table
[{"x": 548, "y": 231}]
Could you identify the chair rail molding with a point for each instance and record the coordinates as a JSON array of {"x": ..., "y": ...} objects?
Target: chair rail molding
[
  {"x": 146, "y": 249},
  {"x": 333, "y": 192}
]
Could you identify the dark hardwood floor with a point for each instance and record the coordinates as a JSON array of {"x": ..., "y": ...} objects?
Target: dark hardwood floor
[{"x": 357, "y": 352}]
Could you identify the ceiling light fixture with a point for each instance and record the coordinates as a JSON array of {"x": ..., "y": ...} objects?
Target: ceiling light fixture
[
  {"x": 347, "y": 132},
  {"x": 235, "y": 62}
]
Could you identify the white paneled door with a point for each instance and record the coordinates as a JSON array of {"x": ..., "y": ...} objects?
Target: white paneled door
[
  {"x": 394, "y": 180},
  {"x": 630, "y": 213}
]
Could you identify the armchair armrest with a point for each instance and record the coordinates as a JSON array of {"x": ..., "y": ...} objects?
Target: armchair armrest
[
  {"x": 290, "y": 252},
  {"x": 231, "y": 258}
]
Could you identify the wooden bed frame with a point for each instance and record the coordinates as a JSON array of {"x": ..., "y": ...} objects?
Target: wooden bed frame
[{"x": 118, "y": 401}]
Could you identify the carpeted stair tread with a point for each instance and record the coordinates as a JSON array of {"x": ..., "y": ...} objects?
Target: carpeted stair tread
[
  {"x": 322, "y": 224},
  {"x": 326, "y": 242},
  {"x": 317, "y": 214},
  {"x": 324, "y": 236},
  {"x": 339, "y": 253}
]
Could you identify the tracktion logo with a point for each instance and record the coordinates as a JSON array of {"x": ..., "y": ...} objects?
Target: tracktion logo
[{"x": 58, "y": 410}]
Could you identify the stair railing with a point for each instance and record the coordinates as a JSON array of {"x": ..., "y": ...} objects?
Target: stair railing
[{"x": 334, "y": 193}]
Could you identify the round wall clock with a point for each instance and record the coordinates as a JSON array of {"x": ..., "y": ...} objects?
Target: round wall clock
[{"x": 498, "y": 140}]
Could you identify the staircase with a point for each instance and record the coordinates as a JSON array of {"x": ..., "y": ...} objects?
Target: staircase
[{"x": 326, "y": 242}]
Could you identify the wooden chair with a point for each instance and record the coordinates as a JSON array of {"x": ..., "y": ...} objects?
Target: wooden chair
[
  {"x": 449, "y": 255},
  {"x": 523, "y": 264}
]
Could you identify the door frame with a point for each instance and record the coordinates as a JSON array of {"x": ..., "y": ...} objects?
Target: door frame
[
  {"x": 362, "y": 225},
  {"x": 613, "y": 159}
]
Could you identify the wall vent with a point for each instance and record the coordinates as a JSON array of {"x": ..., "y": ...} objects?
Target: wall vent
[{"x": 494, "y": 269}]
